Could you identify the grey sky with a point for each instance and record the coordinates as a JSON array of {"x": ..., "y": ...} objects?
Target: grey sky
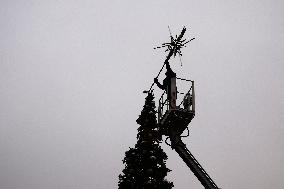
[{"x": 72, "y": 75}]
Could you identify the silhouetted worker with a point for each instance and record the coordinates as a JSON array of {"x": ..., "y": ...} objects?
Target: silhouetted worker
[{"x": 167, "y": 83}]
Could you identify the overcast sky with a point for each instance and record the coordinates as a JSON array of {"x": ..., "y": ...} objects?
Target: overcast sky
[{"x": 72, "y": 75}]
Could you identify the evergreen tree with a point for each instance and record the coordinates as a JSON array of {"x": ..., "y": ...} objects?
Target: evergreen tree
[{"x": 145, "y": 165}]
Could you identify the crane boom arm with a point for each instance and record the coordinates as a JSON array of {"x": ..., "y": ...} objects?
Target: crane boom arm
[{"x": 191, "y": 162}]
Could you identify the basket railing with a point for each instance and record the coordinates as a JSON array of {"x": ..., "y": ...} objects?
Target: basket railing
[{"x": 186, "y": 104}]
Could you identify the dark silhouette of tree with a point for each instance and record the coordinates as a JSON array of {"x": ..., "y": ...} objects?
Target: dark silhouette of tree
[{"x": 145, "y": 165}]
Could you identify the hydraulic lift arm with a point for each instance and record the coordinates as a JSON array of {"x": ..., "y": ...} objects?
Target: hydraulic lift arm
[{"x": 191, "y": 162}]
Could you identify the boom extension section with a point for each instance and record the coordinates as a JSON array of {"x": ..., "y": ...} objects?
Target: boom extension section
[{"x": 191, "y": 162}]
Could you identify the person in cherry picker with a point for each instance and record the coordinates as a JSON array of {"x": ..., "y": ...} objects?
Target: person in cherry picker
[{"x": 168, "y": 85}]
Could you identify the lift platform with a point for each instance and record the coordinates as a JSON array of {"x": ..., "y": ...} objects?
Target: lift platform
[{"x": 180, "y": 116}]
